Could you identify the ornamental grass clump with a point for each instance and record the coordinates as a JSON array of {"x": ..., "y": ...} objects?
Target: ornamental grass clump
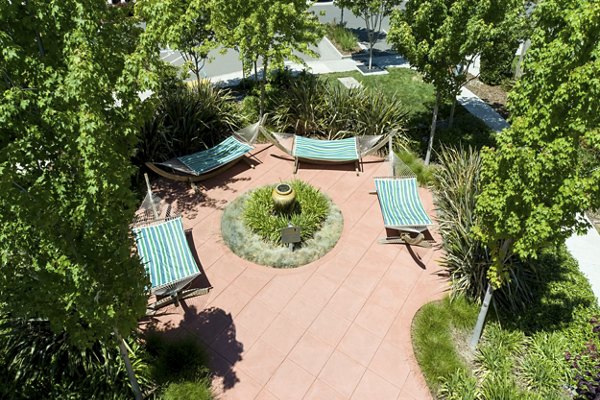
[
  {"x": 342, "y": 37},
  {"x": 308, "y": 212},
  {"x": 314, "y": 107}
]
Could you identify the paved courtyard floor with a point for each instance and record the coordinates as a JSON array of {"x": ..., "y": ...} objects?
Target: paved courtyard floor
[{"x": 338, "y": 328}]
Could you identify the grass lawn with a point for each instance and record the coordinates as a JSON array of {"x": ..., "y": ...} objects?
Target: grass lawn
[
  {"x": 418, "y": 98},
  {"x": 408, "y": 85},
  {"x": 521, "y": 354}
]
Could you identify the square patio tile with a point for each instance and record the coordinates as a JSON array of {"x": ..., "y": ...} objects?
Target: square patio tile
[
  {"x": 342, "y": 373},
  {"x": 266, "y": 395},
  {"x": 388, "y": 362},
  {"x": 360, "y": 344},
  {"x": 329, "y": 327},
  {"x": 256, "y": 315},
  {"x": 303, "y": 314},
  {"x": 261, "y": 362},
  {"x": 346, "y": 303},
  {"x": 372, "y": 386},
  {"x": 231, "y": 300},
  {"x": 322, "y": 391},
  {"x": 228, "y": 346},
  {"x": 245, "y": 388},
  {"x": 253, "y": 279},
  {"x": 311, "y": 353},
  {"x": 375, "y": 318},
  {"x": 317, "y": 291},
  {"x": 361, "y": 281},
  {"x": 283, "y": 334},
  {"x": 290, "y": 382}
]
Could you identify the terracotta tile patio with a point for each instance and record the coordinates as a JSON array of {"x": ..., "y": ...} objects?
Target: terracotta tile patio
[{"x": 338, "y": 328}]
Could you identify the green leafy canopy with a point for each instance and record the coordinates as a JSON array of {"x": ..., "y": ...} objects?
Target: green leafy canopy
[
  {"x": 533, "y": 186},
  {"x": 69, "y": 115}
]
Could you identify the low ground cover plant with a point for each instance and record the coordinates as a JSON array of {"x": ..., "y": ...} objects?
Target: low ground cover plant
[
  {"x": 529, "y": 355},
  {"x": 179, "y": 368}
]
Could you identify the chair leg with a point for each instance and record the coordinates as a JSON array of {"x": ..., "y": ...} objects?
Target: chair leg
[
  {"x": 247, "y": 161},
  {"x": 406, "y": 239},
  {"x": 296, "y": 165}
]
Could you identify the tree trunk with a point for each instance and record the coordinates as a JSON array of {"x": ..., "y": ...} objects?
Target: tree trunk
[
  {"x": 452, "y": 109},
  {"x": 500, "y": 261},
  {"x": 433, "y": 125},
  {"x": 135, "y": 387},
  {"x": 518, "y": 68},
  {"x": 197, "y": 71},
  {"x": 481, "y": 318},
  {"x": 342, "y": 16},
  {"x": 262, "y": 87}
]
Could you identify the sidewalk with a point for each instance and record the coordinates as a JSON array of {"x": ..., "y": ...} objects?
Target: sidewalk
[{"x": 585, "y": 250}]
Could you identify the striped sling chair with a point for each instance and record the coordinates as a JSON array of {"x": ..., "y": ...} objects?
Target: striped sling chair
[
  {"x": 338, "y": 151},
  {"x": 208, "y": 163},
  {"x": 168, "y": 260}
]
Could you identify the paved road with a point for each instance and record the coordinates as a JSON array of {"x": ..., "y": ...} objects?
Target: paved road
[{"x": 226, "y": 61}]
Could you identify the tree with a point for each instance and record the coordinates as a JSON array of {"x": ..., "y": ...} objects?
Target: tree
[
  {"x": 69, "y": 116},
  {"x": 440, "y": 38},
  {"x": 372, "y": 12},
  {"x": 533, "y": 183},
  {"x": 269, "y": 31},
  {"x": 508, "y": 26},
  {"x": 181, "y": 25}
]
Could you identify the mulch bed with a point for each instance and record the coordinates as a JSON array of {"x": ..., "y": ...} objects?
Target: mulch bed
[{"x": 495, "y": 96}]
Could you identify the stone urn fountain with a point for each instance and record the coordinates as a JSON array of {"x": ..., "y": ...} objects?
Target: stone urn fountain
[{"x": 283, "y": 196}]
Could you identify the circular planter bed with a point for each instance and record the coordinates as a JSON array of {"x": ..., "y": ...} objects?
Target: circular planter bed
[{"x": 251, "y": 226}]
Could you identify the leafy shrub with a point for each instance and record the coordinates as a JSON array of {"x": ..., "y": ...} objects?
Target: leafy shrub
[
  {"x": 180, "y": 366},
  {"x": 341, "y": 36},
  {"x": 497, "y": 58},
  {"x": 423, "y": 172},
  {"x": 309, "y": 212},
  {"x": 586, "y": 365},
  {"x": 40, "y": 364},
  {"x": 315, "y": 107},
  {"x": 199, "y": 390},
  {"x": 186, "y": 120},
  {"x": 176, "y": 360}
]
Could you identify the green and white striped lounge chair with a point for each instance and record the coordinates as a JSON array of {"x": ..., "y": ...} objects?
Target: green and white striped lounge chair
[
  {"x": 210, "y": 162},
  {"x": 165, "y": 253},
  {"x": 402, "y": 210},
  {"x": 338, "y": 151}
]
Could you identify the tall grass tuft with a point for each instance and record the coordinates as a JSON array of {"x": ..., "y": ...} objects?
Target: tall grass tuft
[
  {"x": 342, "y": 37},
  {"x": 466, "y": 259},
  {"x": 456, "y": 185},
  {"x": 187, "y": 119},
  {"x": 314, "y": 107}
]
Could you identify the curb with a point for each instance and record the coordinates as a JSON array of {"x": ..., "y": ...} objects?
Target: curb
[{"x": 342, "y": 56}]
